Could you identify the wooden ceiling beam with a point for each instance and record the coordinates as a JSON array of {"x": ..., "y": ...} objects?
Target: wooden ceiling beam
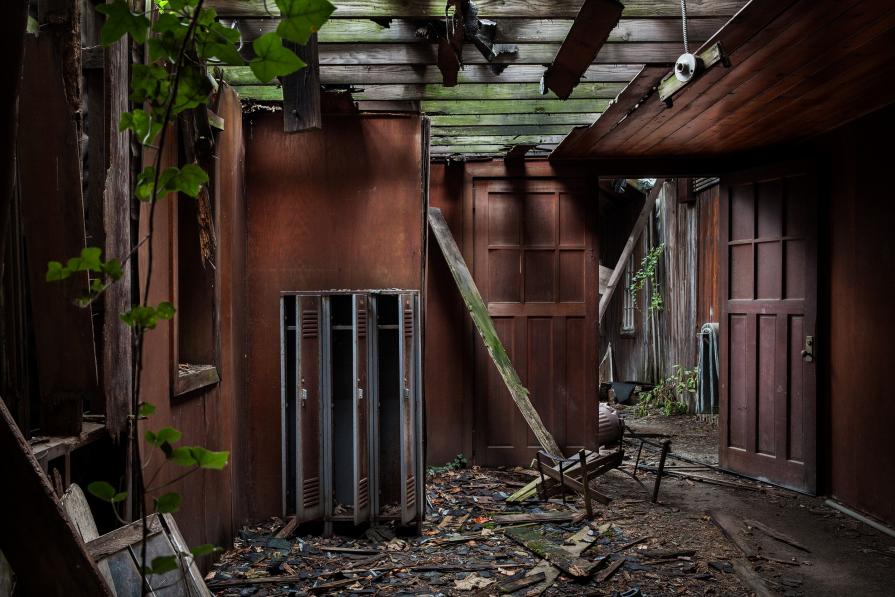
[
  {"x": 585, "y": 43},
  {"x": 509, "y": 30},
  {"x": 512, "y": 119},
  {"x": 504, "y": 130},
  {"x": 497, "y": 140},
  {"x": 478, "y": 149},
  {"x": 542, "y": 9},
  {"x": 549, "y": 106},
  {"x": 391, "y": 74}
]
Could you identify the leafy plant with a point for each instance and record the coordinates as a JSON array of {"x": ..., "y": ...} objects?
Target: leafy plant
[
  {"x": 648, "y": 274},
  {"x": 184, "y": 40},
  {"x": 459, "y": 462},
  {"x": 670, "y": 395}
]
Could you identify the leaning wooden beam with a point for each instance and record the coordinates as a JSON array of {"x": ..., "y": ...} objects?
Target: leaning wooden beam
[
  {"x": 40, "y": 543},
  {"x": 558, "y": 9},
  {"x": 49, "y": 165},
  {"x": 587, "y": 35},
  {"x": 483, "y": 323},
  {"x": 301, "y": 91},
  {"x": 639, "y": 225}
]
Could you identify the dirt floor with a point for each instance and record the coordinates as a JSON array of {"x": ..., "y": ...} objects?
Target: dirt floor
[{"x": 674, "y": 547}]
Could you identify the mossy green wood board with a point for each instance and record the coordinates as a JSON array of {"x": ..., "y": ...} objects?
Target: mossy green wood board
[
  {"x": 489, "y": 149},
  {"x": 509, "y": 30},
  {"x": 498, "y": 140},
  {"x": 514, "y": 119},
  {"x": 546, "y": 106},
  {"x": 453, "y": 131},
  {"x": 544, "y": 9},
  {"x": 570, "y": 563},
  {"x": 390, "y": 74},
  {"x": 485, "y": 326}
]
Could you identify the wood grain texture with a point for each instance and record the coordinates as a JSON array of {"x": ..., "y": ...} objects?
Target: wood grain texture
[
  {"x": 301, "y": 90},
  {"x": 543, "y": 9}
]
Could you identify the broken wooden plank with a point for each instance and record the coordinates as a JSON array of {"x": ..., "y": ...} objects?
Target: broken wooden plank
[
  {"x": 288, "y": 528},
  {"x": 36, "y": 537},
  {"x": 728, "y": 526},
  {"x": 751, "y": 579},
  {"x": 774, "y": 533},
  {"x": 534, "y": 517},
  {"x": 706, "y": 59},
  {"x": 575, "y": 485},
  {"x": 569, "y": 563},
  {"x": 628, "y": 249},
  {"x": 610, "y": 570},
  {"x": 575, "y": 545},
  {"x": 49, "y": 166},
  {"x": 522, "y": 582},
  {"x": 589, "y": 32},
  {"x": 301, "y": 90},
  {"x": 478, "y": 311}
]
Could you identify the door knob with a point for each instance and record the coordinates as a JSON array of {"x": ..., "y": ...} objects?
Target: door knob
[{"x": 808, "y": 351}]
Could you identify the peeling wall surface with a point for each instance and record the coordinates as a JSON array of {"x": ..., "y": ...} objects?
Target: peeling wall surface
[{"x": 338, "y": 208}]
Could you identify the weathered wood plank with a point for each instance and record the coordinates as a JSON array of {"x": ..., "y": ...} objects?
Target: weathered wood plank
[
  {"x": 404, "y": 73},
  {"x": 638, "y": 227},
  {"x": 584, "y": 44},
  {"x": 301, "y": 91},
  {"x": 420, "y": 52},
  {"x": 445, "y": 107},
  {"x": 470, "y": 149},
  {"x": 40, "y": 543},
  {"x": 509, "y": 30},
  {"x": 571, "y": 564},
  {"x": 513, "y": 119},
  {"x": 53, "y": 218},
  {"x": 708, "y": 57},
  {"x": 485, "y": 326},
  {"x": 497, "y": 140},
  {"x": 448, "y": 131},
  {"x": 542, "y": 9}
]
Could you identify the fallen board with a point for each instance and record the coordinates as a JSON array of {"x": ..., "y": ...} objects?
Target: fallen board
[
  {"x": 571, "y": 564},
  {"x": 485, "y": 326}
]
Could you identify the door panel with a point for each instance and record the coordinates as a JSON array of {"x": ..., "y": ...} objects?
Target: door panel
[
  {"x": 308, "y": 423},
  {"x": 360, "y": 423},
  {"x": 407, "y": 318},
  {"x": 535, "y": 263},
  {"x": 768, "y": 399}
]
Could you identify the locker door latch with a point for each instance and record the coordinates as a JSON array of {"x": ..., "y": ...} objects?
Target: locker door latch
[
  {"x": 808, "y": 351},
  {"x": 360, "y": 393},
  {"x": 304, "y": 396}
]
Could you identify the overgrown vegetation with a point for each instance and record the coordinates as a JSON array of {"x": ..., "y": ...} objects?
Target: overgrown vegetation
[
  {"x": 670, "y": 396},
  {"x": 459, "y": 462},
  {"x": 184, "y": 40},
  {"x": 647, "y": 277}
]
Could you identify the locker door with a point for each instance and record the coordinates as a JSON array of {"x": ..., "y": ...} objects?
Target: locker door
[
  {"x": 361, "y": 399},
  {"x": 407, "y": 357},
  {"x": 308, "y": 455}
]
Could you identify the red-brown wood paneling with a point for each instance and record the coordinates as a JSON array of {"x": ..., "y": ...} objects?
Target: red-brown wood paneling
[
  {"x": 768, "y": 401},
  {"x": 861, "y": 317},
  {"x": 708, "y": 305},
  {"x": 338, "y": 208}
]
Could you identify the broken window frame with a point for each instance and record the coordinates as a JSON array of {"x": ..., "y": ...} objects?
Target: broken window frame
[{"x": 628, "y": 326}]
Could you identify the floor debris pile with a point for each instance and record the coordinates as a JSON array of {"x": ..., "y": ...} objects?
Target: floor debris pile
[{"x": 473, "y": 542}]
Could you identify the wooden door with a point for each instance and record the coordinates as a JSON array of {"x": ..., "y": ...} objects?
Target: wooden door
[
  {"x": 768, "y": 414},
  {"x": 535, "y": 264},
  {"x": 407, "y": 319},
  {"x": 308, "y": 455},
  {"x": 360, "y": 423}
]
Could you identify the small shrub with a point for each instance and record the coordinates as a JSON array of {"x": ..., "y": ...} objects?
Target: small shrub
[{"x": 670, "y": 395}]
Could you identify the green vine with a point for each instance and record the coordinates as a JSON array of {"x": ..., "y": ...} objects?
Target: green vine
[
  {"x": 648, "y": 273},
  {"x": 183, "y": 39}
]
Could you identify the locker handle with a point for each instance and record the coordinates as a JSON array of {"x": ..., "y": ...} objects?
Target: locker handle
[
  {"x": 304, "y": 396},
  {"x": 360, "y": 393}
]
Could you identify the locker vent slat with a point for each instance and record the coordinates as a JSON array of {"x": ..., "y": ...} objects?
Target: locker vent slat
[
  {"x": 410, "y": 489},
  {"x": 311, "y": 492},
  {"x": 363, "y": 493},
  {"x": 310, "y": 325}
]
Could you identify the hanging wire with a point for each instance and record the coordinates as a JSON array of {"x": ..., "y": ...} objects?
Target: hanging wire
[{"x": 684, "y": 23}]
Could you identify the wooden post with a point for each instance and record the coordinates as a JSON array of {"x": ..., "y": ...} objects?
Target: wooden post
[
  {"x": 642, "y": 219},
  {"x": 11, "y": 44},
  {"x": 301, "y": 91},
  {"x": 483, "y": 323},
  {"x": 40, "y": 543}
]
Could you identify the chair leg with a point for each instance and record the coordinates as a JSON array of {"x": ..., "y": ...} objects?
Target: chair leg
[
  {"x": 666, "y": 447},
  {"x": 585, "y": 480},
  {"x": 542, "y": 486}
]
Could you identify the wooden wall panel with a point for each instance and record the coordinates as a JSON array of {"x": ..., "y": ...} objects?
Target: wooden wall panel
[
  {"x": 338, "y": 208},
  {"x": 207, "y": 417},
  {"x": 708, "y": 305},
  {"x": 861, "y": 318},
  {"x": 448, "y": 361}
]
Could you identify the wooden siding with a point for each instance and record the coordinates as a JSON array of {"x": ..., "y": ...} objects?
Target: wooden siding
[{"x": 338, "y": 208}]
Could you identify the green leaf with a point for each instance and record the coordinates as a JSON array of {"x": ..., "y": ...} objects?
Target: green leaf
[
  {"x": 169, "y": 435},
  {"x": 150, "y": 437},
  {"x": 163, "y": 564},
  {"x": 146, "y": 317},
  {"x": 56, "y": 272},
  {"x": 120, "y": 21},
  {"x": 112, "y": 268},
  {"x": 142, "y": 123},
  {"x": 165, "y": 310},
  {"x": 146, "y": 409},
  {"x": 91, "y": 259},
  {"x": 149, "y": 83},
  {"x": 204, "y": 550},
  {"x": 272, "y": 59},
  {"x": 190, "y": 179},
  {"x": 193, "y": 89},
  {"x": 102, "y": 490},
  {"x": 119, "y": 497},
  {"x": 183, "y": 456},
  {"x": 223, "y": 52},
  {"x": 168, "y": 503},
  {"x": 301, "y": 18},
  {"x": 143, "y": 188},
  {"x": 210, "y": 459}
]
